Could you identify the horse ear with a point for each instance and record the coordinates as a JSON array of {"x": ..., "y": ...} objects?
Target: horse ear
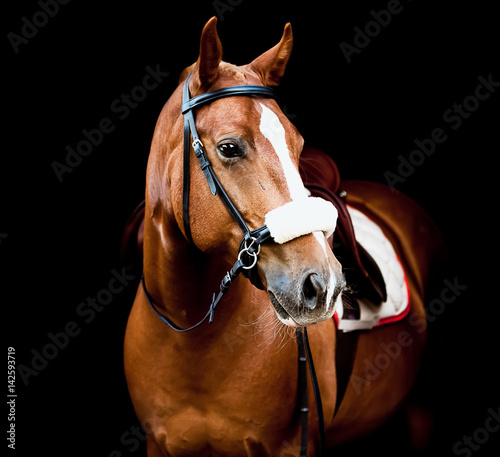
[
  {"x": 206, "y": 69},
  {"x": 270, "y": 66}
]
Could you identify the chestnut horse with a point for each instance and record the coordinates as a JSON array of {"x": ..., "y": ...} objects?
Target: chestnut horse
[{"x": 231, "y": 387}]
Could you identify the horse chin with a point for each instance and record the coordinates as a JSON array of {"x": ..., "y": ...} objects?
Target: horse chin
[
  {"x": 300, "y": 321},
  {"x": 289, "y": 322}
]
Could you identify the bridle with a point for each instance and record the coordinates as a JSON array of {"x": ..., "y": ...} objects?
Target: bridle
[
  {"x": 252, "y": 239},
  {"x": 249, "y": 247},
  {"x": 188, "y": 106}
]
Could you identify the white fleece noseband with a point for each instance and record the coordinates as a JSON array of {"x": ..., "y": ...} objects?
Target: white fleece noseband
[{"x": 301, "y": 217}]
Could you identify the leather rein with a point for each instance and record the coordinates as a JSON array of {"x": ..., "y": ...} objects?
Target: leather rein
[{"x": 249, "y": 247}]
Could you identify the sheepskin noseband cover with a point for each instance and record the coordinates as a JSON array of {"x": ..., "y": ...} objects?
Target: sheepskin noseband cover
[{"x": 301, "y": 217}]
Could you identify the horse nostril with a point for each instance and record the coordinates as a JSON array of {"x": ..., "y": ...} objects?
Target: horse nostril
[{"x": 313, "y": 289}]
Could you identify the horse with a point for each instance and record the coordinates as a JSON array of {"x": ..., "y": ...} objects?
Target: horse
[{"x": 226, "y": 382}]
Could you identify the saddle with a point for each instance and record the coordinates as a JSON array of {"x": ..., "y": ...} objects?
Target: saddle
[{"x": 321, "y": 177}]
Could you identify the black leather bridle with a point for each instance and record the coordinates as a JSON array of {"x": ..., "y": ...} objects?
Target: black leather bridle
[
  {"x": 249, "y": 247},
  {"x": 252, "y": 239},
  {"x": 188, "y": 106}
]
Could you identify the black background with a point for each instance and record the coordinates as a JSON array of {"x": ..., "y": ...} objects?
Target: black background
[{"x": 60, "y": 240}]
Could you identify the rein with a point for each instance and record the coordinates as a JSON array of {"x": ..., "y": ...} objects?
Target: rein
[{"x": 251, "y": 243}]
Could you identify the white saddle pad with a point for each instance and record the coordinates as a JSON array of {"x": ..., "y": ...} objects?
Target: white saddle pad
[{"x": 397, "y": 306}]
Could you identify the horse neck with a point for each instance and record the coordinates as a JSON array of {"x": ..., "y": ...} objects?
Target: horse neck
[{"x": 182, "y": 279}]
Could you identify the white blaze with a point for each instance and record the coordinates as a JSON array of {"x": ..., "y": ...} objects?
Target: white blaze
[{"x": 273, "y": 130}]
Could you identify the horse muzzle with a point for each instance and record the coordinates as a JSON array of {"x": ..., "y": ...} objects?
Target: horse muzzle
[
  {"x": 307, "y": 301},
  {"x": 304, "y": 280}
]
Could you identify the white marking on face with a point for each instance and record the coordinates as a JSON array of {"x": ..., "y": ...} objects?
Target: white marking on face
[{"x": 273, "y": 130}]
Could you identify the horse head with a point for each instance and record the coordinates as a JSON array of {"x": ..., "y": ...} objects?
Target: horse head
[{"x": 254, "y": 151}]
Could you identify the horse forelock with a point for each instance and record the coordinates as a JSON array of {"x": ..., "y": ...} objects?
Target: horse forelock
[{"x": 228, "y": 74}]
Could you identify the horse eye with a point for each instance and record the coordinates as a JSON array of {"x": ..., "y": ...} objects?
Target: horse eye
[{"x": 230, "y": 150}]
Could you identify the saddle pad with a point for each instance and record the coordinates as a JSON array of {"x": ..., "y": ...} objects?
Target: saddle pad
[{"x": 397, "y": 305}]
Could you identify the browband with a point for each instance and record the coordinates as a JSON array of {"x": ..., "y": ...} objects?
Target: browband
[{"x": 232, "y": 91}]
